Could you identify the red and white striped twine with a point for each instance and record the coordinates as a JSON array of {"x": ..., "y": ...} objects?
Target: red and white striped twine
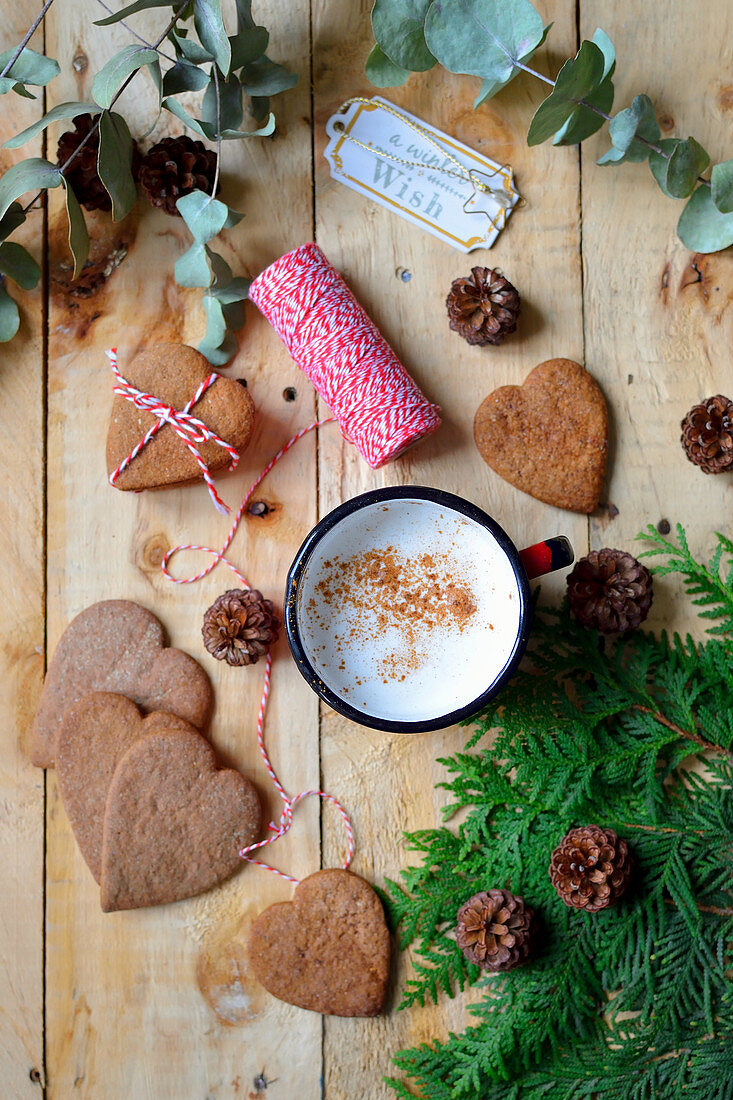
[
  {"x": 189, "y": 428},
  {"x": 276, "y": 830},
  {"x": 340, "y": 349}
]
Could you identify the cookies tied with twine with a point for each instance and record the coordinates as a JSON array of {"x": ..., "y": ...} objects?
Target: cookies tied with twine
[{"x": 174, "y": 421}]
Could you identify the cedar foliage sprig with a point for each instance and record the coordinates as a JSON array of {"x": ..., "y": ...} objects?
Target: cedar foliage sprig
[
  {"x": 632, "y": 1002},
  {"x": 193, "y": 53},
  {"x": 495, "y": 40}
]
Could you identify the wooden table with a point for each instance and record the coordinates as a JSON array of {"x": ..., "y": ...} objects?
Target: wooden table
[{"x": 160, "y": 1003}]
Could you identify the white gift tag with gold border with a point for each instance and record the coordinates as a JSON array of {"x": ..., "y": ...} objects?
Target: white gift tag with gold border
[{"x": 422, "y": 174}]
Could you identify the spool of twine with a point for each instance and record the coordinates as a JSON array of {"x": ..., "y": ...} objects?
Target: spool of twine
[{"x": 338, "y": 347}]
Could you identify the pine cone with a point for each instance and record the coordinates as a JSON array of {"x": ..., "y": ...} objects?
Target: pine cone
[
  {"x": 240, "y": 626},
  {"x": 174, "y": 167},
  {"x": 82, "y": 174},
  {"x": 610, "y": 591},
  {"x": 707, "y": 434},
  {"x": 591, "y": 868},
  {"x": 495, "y": 930},
  {"x": 484, "y": 307}
]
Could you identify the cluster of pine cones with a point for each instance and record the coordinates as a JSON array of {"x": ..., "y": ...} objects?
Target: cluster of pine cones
[
  {"x": 590, "y": 870},
  {"x": 172, "y": 168}
]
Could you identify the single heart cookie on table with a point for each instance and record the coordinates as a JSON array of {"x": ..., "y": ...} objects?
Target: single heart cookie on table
[
  {"x": 328, "y": 949},
  {"x": 94, "y": 735},
  {"x": 172, "y": 373},
  {"x": 174, "y": 823},
  {"x": 117, "y": 646},
  {"x": 548, "y": 437}
]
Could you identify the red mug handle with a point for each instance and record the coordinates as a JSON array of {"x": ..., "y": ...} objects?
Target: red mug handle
[{"x": 545, "y": 557}]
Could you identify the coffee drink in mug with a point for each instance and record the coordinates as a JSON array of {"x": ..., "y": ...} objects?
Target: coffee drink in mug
[{"x": 408, "y": 607}]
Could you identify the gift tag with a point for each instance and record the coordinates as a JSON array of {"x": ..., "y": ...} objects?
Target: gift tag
[{"x": 422, "y": 174}]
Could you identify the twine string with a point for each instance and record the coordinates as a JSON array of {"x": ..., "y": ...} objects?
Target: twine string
[{"x": 190, "y": 429}]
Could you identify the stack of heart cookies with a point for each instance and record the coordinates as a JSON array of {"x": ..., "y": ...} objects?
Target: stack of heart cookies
[{"x": 120, "y": 714}]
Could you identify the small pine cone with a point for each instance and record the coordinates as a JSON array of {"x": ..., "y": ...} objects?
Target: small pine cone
[
  {"x": 240, "y": 626},
  {"x": 82, "y": 173},
  {"x": 610, "y": 591},
  {"x": 174, "y": 167},
  {"x": 591, "y": 868},
  {"x": 483, "y": 307},
  {"x": 707, "y": 435},
  {"x": 495, "y": 930}
]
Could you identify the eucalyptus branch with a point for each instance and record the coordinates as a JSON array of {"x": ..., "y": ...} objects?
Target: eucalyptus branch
[
  {"x": 133, "y": 32},
  {"x": 26, "y": 38}
]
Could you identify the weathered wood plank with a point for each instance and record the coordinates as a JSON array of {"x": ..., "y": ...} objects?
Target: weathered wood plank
[
  {"x": 159, "y": 1003},
  {"x": 21, "y": 658},
  {"x": 388, "y": 781},
  {"x": 659, "y": 326}
]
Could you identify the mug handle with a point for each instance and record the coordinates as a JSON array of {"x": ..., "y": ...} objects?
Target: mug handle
[{"x": 546, "y": 557}]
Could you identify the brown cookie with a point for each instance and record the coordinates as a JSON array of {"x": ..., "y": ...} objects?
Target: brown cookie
[
  {"x": 328, "y": 950},
  {"x": 172, "y": 373},
  {"x": 94, "y": 735},
  {"x": 118, "y": 646},
  {"x": 174, "y": 823},
  {"x": 548, "y": 437}
]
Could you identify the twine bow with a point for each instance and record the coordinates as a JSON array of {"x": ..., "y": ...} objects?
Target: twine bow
[{"x": 188, "y": 428}]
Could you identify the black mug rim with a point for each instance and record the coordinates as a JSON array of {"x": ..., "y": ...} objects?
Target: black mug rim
[{"x": 304, "y": 555}]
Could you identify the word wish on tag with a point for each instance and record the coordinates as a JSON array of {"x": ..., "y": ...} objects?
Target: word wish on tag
[{"x": 422, "y": 174}]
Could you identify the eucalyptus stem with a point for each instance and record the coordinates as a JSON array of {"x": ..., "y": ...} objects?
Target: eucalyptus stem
[
  {"x": 133, "y": 32},
  {"x": 26, "y": 38}
]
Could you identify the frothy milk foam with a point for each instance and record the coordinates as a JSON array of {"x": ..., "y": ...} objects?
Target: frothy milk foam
[{"x": 407, "y": 610}]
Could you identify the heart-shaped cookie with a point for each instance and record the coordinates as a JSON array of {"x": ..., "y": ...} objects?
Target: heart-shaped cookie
[
  {"x": 173, "y": 373},
  {"x": 117, "y": 646},
  {"x": 548, "y": 437},
  {"x": 328, "y": 949},
  {"x": 174, "y": 823},
  {"x": 94, "y": 735}
]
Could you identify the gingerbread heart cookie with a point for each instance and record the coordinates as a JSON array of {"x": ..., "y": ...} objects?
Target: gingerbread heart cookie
[
  {"x": 174, "y": 823},
  {"x": 172, "y": 373},
  {"x": 94, "y": 735},
  {"x": 328, "y": 950},
  {"x": 548, "y": 437},
  {"x": 118, "y": 646}
]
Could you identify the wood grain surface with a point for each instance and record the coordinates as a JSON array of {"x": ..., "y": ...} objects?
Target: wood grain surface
[{"x": 160, "y": 1004}]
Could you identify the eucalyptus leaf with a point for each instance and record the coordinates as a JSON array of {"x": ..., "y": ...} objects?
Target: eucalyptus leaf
[
  {"x": 192, "y": 268},
  {"x": 234, "y": 217},
  {"x": 184, "y": 77},
  {"x": 702, "y": 227},
  {"x": 245, "y": 21},
  {"x": 180, "y": 111},
  {"x": 7, "y": 84},
  {"x": 220, "y": 355},
  {"x": 260, "y": 107},
  {"x": 132, "y": 9},
  {"x": 659, "y": 164},
  {"x": 78, "y": 235},
  {"x": 216, "y": 326},
  {"x": 18, "y": 264},
  {"x": 234, "y": 313},
  {"x": 237, "y": 290},
  {"x": 264, "y": 131},
  {"x": 56, "y": 114},
  {"x": 32, "y": 174},
  {"x": 29, "y": 67},
  {"x": 583, "y": 122},
  {"x": 230, "y": 109},
  {"x": 721, "y": 181},
  {"x": 248, "y": 45},
  {"x": 221, "y": 270},
  {"x": 210, "y": 28},
  {"x": 9, "y": 316},
  {"x": 112, "y": 76},
  {"x": 11, "y": 220},
  {"x": 488, "y": 89},
  {"x": 638, "y": 120},
  {"x": 157, "y": 78},
  {"x": 607, "y": 48},
  {"x": 551, "y": 114},
  {"x": 189, "y": 48},
  {"x": 399, "y": 28},
  {"x": 383, "y": 72},
  {"x": 114, "y": 163},
  {"x": 265, "y": 78},
  {"x": 204, "y": 216},
  {"x": 577, "y": 80},
  {"x": 678, "y": 177},
  {"x": 483, "y": 37}
]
